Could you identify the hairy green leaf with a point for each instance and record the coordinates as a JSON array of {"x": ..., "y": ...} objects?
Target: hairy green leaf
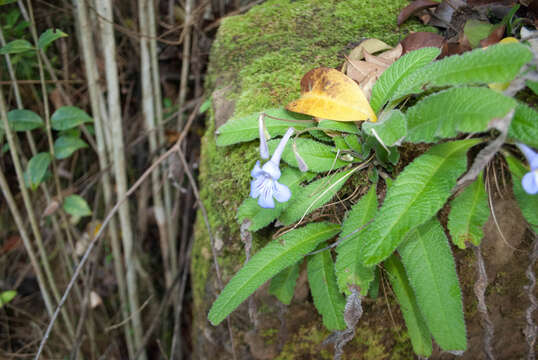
[
  {"x": 319, "y": 157},
  {"x": 469, "y": 211},
  {"x": 64, "y": 146},
  {"x": 524, "y": 125},
  {"x": 497, "y": 63},
  {"x": 533, "y": 85},
  {"x": 37, "y": 168},
  {"x": 414, "y": 320},
  {"x": 245, "y": 128},
  {"x": 68, "y": 117},
  {"x": 313, "y": 196},
  {"x": 341, "y": 126},
  {"x": 353, "y": 142},
  {"x": 527, "y": 202},
  {"x": 431, "y": 270},
  {"x": 349, "y": 268},
  {"x": 76, "y": 206},
  {"x": 268, "y": 262},
  {"x": 46, "y": 38},
  {"x": 390, "y": 80},
  {"x": 16, "y": 47},
  {"x": 261, "y": 217},
  {"x": 329, "y": 302},
  {"x": 391, "y": 127},
  {"x": 465, "y": 109},
  {"x": 24, "y": 120},
  {"x": 416, "y": 195},
  {"x": 283, "y": 284}
]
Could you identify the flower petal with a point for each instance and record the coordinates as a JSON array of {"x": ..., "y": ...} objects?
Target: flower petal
[
  {"x": 530, "y": 182},
  {"x": 266, "y": 200},
  {"x": 256, "y": 187},
  {"x": 530, "y": 154},
  {"x": 271, "y": 169},
  {"x": 257, "y": 171},
  {"x": 282, "y": 192}
]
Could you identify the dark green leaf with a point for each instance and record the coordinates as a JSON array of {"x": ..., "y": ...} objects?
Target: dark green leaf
[
  {"x": 283, "y": 284},
  {"x": 416, "y": 195},
  {"x": 497, "y": 63},
  {"x": 24, "y": 120},
  {"x": 266, "y": 263},
  {"x": 76, "y": 205},
  {"x": 390, "y": 80},
  {"x": 319, "y": 157},
  {"x": 431, "y": 270},
  {"x": 444, "y": 114},
  {"x": 414, "y": 320},
  {"x": 37, "y": 168},
  {"x": 68, "y": 117},
  {"x": 391, "y": 127},
  {"x": 469, "y": 212},
  {"x": 524, "y": 125},
  {"x": 349, "y": 268},
  {"x": 313, "y": 196},
  {"x": 64, "y": 146},
  {"x": 329, "y": 302},
  {"x": 16, "y": 47},
  {"x": 49, "y": 36},
  {"x": 245, "y": 128}
]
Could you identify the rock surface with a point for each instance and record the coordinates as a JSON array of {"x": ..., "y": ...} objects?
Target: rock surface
[{"x": 256, "y": 63}]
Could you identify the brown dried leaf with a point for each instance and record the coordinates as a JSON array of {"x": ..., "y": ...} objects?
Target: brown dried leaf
[
  {"x": 393, "y": 54},
  {"x": 371, "y": 45},
  {"x": 494, "y": 37},
  {"x": 51, "y": 208},
  {"x": 413, "y": 8},
  {"x": 376, "y": 60},
  {"x": 421, "y": 39}
]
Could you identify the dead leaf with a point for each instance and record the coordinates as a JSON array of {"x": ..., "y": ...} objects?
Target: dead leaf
[
  {"x": 371, "y": 45},
  {"x": 443, "y": 13},
  {"x": 413, "y": 8},
  {"x": 421, "y": 39},
  {"x": 51, "y": 208},
  {"x": 329, "y": 94},
  {"x": 359, "y": 70},
  {"x": 494, "y": 37},
  {"x": 376, "y": 60},
  {"x": 95, "y": 299},
  {"x": 393, "y": 54},
  {"x": 10, "y": 244}
]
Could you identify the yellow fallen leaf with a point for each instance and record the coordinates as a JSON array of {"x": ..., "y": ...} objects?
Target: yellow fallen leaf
[{"x": 329, "y": 94}]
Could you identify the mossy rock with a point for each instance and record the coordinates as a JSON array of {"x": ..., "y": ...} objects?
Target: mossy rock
[{"x": 257, "y": 62}]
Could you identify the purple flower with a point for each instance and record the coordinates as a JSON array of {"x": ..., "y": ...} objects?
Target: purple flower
[
  {"x": 530, "y": 180},
  {"x": 265, "y": 186}
]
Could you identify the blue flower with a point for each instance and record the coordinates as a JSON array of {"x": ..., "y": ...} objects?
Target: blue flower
[
  {"x": 530, "y": 180},
  {"x": 265, "y": 186}
]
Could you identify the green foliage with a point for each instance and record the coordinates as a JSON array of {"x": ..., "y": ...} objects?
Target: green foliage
[
  {"x": 283, "y": 284},
  {"x": 497, "y": 63},
  {"x": 414, "y": 320},
  {"x": 528, "y": 203},
  {"x": 328, "y": 300},
  {"x": 24, "y": 120},
  {"x": 390, "y": 80},
  {"x": 533, "y": 85},
  {"x": 49, "y": 36},
  {"x": 416, "y": 195},
  {"x": 261, "y": 217},
  {"x": 76, "y": 205},
  {"x": 68, "y": 117},
  {"x": 36, "y": 170},
  {"x": 432, "y": 274},
  {"x": 64, "y": 146},
  {"x": 268, "y": 262},
  {"x": 391, "y": 127},
  {"x": 5, "y": 2},
  {"x": 476, "y": 30},
  {"x": 245, "y": 128},
  {"x": 340, "y": 126},
  {"x": 313, "y": 196},
  {"x": 349, "y": 268},
  {"x": 7, "y": 296},
  {"x": 16, "y": 47},
  {"x": 319, "y": 157},
  {"x": 524, "y": 125},
  {"x": 469, "y": 211},
  {"x": 464, "y": 109}
]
